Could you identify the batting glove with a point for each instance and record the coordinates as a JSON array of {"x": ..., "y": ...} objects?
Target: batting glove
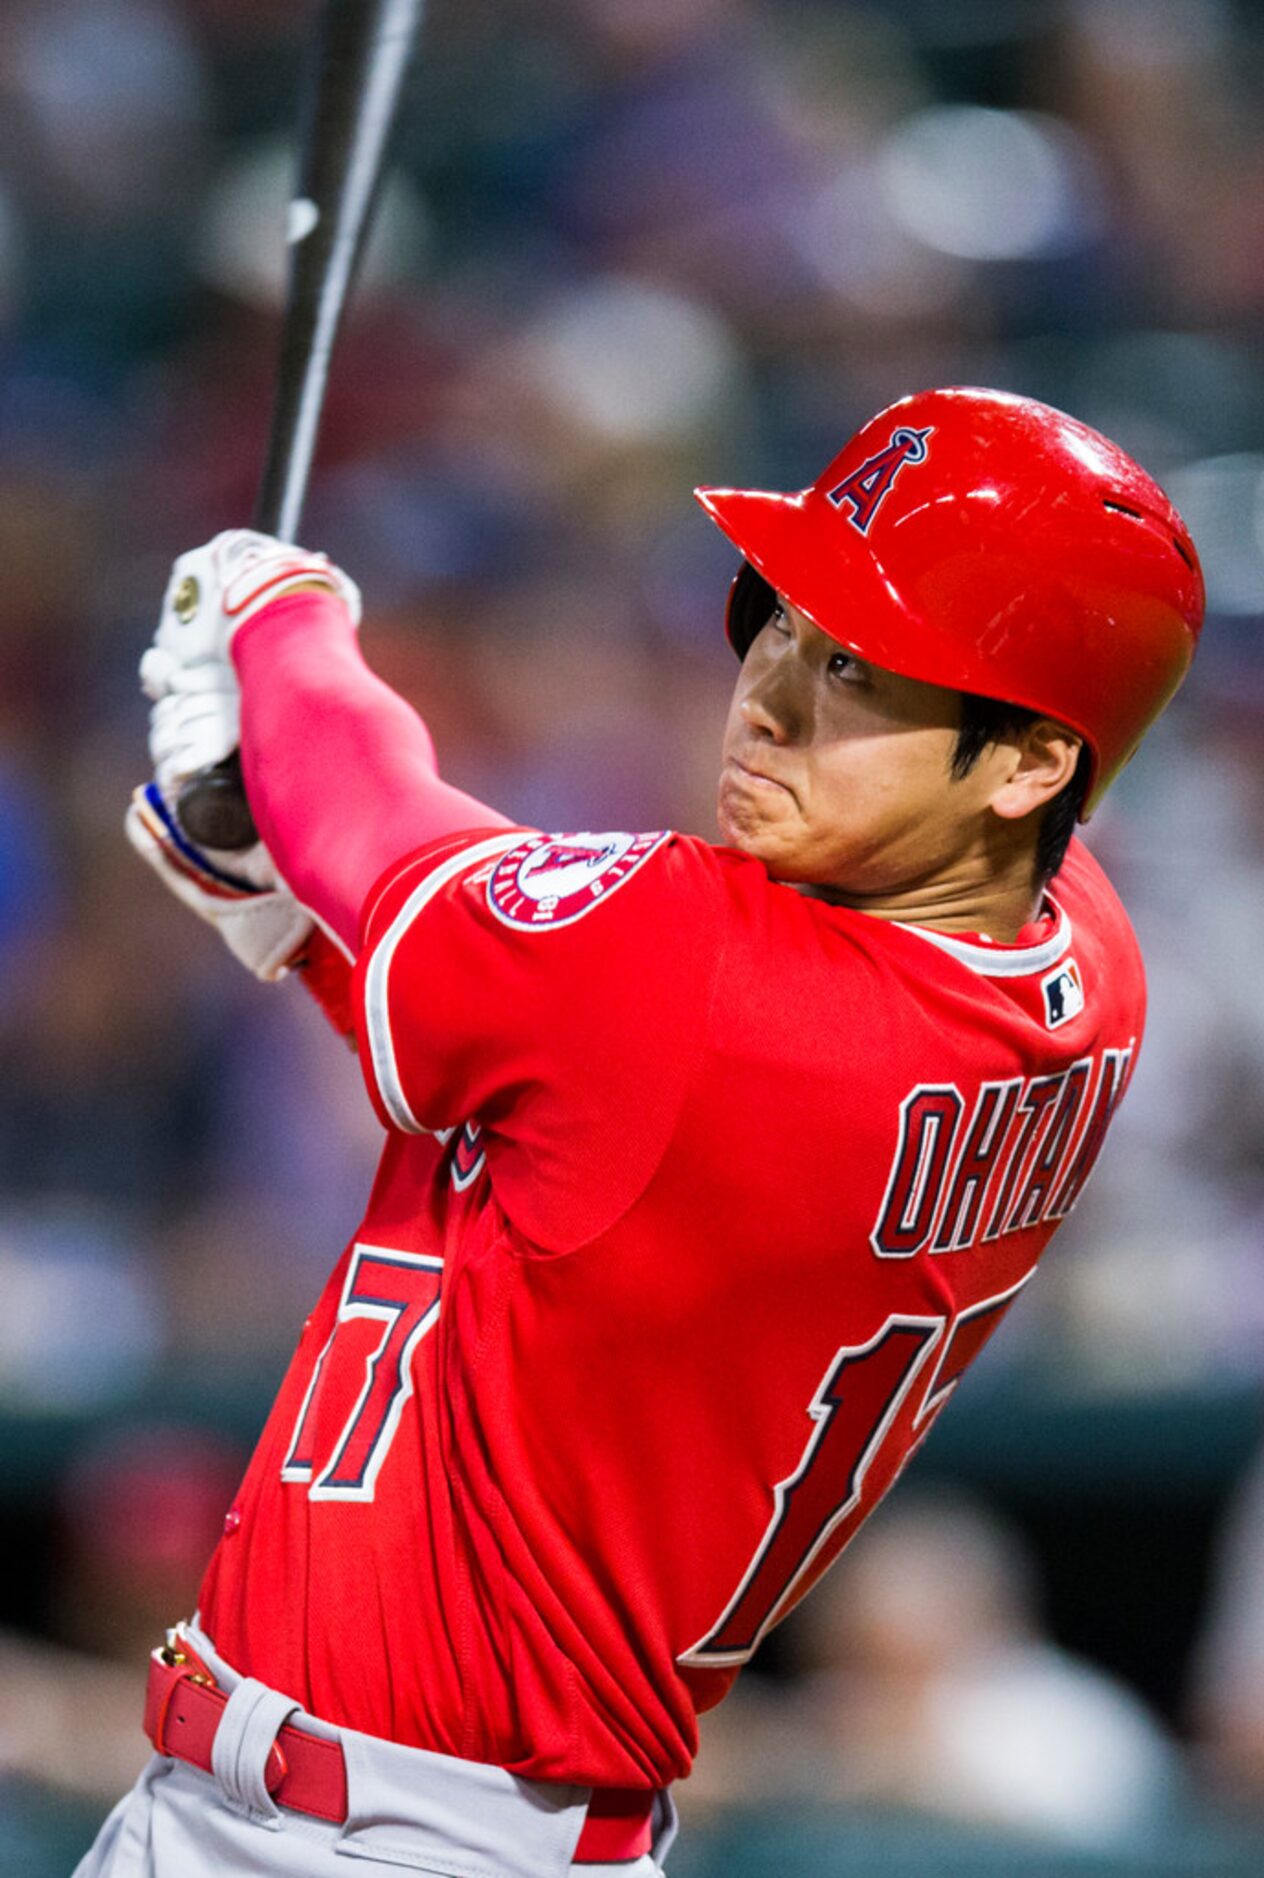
[
  {"x": 240, "y": 895},
  {"x": 215, "y": 589},
  {"x": 195, "y": 721}
]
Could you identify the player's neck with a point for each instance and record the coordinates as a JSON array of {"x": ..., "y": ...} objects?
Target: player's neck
[{"x": 996, "y": 902}]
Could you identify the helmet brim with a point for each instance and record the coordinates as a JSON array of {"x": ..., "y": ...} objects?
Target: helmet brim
[{"x": 781, "y": 538}]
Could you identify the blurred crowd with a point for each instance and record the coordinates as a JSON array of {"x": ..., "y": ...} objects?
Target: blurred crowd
[{"x": 631, "y": 245}]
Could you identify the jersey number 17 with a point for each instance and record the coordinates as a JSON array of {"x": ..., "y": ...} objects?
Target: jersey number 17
[
  {"x": 358, "y": 1388},
  {"x": 858, "y": 1414}
]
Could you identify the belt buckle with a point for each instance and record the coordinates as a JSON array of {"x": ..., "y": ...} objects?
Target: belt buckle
[
  {"x": 170, "y": 1652},
  {"x": 172, "y": 1656}
]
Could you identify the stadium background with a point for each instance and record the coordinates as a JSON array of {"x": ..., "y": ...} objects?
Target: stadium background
[{"x": 635, "y": 244}]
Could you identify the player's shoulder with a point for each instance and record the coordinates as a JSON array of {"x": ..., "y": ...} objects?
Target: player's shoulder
[{"x": 526, "y": 884}]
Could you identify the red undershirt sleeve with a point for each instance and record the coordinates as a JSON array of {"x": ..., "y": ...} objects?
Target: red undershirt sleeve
[{"x": 340, "y": 772}]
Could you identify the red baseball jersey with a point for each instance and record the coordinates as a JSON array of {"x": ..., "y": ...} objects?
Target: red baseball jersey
[{"x": 698, "y": 1197}]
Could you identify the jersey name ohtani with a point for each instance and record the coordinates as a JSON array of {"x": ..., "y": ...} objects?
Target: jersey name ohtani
[{"x": 1023, "y": 1156}]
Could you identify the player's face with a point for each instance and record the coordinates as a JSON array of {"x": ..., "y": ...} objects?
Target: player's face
[{"x": 838, "y": 773}]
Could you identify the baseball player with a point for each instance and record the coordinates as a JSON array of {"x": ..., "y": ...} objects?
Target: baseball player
[{"x": 708, "y": 1170}]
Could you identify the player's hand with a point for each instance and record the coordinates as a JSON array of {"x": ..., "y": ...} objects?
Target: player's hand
[
  {"x": 240, "y": 895},
  {"x": 215, "y": 589},
  {"x": 195, "y": 721}
]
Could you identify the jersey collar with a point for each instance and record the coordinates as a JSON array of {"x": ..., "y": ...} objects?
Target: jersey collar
[{"x": 997, "y": 961}]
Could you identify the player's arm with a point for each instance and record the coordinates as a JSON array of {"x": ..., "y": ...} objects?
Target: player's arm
[
  {"x": 340, "y": 772},
  {"x": 508, "y": 977}
]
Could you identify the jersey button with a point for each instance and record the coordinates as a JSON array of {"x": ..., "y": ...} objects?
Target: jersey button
[{"x": 232, "y": 1520}]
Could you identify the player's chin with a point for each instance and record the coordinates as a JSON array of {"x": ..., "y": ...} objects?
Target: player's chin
[{"x": 768, "y": 831}]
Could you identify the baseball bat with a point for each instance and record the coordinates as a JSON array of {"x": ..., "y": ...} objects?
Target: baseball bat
[{"x": 360, "y": 54}]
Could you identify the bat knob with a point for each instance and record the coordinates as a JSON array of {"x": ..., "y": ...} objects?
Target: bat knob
[{"x": 213, "y": 811}]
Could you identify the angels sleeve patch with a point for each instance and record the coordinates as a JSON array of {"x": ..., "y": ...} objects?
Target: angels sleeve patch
[{"x": 553, "y": 880}]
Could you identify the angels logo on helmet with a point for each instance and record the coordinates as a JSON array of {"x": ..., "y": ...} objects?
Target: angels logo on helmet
[{"x": 866, "y": 486}]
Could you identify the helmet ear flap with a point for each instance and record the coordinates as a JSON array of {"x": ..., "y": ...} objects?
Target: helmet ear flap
[{"x": 751, "y": 601}]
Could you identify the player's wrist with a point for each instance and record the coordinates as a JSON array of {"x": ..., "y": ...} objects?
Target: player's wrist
[
  {"x": 259, "y": 593},
  {"x": 308, "y": 613},
  {"x": 216, "y": 590}
]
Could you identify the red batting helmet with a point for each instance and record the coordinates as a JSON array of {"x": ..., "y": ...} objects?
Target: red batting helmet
[{"x": 991, "y": 544}]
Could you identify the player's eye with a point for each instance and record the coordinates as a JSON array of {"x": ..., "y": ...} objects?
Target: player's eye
[
  {"x": 777, "y": 618},
  {"x": 843, "y": 665}
]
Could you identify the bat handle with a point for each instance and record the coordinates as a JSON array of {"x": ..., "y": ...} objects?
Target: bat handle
[{"x": 212, "y": 808}]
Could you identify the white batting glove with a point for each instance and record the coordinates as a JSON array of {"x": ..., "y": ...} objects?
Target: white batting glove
[
  {"x": 195, "y": 722},
  {"x": 240, "y": 895},
  {"x": 215, "y": 589}
]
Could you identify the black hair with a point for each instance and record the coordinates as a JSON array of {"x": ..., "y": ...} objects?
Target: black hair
[{"x": 987, "y": 720}]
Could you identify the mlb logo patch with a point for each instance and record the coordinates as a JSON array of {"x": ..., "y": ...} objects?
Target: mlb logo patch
[{"x": 1063, "y": 991}]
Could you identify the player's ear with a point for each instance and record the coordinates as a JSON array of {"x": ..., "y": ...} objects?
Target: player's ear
[{"x": 1042, "y": 762}]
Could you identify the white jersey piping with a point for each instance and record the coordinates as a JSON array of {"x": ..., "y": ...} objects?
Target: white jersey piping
[{"x": 376, "y": 988}]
